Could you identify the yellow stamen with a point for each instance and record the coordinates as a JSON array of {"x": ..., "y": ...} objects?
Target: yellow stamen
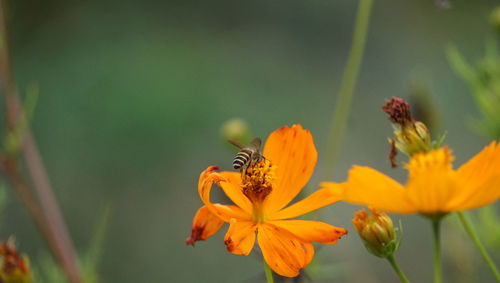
[{"x": 257, "y": 184}]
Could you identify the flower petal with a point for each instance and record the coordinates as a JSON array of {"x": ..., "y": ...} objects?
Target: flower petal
[
  {"x": 480, "y": 177},
  {"x": 224, "y": 212},
  {"x": 284, "y": 252},
  {"x": 316, "y": 200},
  {"x": 481, "y": 167},
  {"x": 432, "y": 184},
  {"x": 293, "y": 153},
  {"x": 231, "y": 211},
  {"x": 231, "y": 185},
  {"x": 309, "y": 249},
  {"x": 486, "y": 194},
  {"x": 367, "y": 186},
  {"x": 205, "y": 224},
  {"x": 312, "y": 231},
  {"x": 240, "y": 238}
]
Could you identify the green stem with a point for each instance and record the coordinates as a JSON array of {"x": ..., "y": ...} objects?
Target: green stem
[
  {"x": 351, "y": 72},
  {"x": 436, "y": 223},
  {"x": 398, "y": 270},
  {"x": 464, "y": 219},
  {"x": 268, "y": 272}
]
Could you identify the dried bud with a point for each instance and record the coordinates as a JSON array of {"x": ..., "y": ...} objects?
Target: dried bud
[
  {"x": 376, "y": 231},
  {"x": 398, "y": 111},
  {"x": 14, "y": 268},
  {"x": 410, "y": 136}
]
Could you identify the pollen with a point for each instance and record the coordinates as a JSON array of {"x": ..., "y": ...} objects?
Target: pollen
[{"x": 257, "y": 180}]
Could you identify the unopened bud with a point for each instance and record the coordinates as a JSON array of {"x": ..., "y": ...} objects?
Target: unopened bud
[
  {"x": 376, "y": 231},
  {"x": 495, "y": 19},
  {"x": 235, "y": 129}
]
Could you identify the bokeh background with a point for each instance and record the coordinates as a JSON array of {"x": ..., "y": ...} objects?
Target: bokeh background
[{"x": 132, "y": 95}]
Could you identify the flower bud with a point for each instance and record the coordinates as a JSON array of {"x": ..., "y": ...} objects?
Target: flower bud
[
  {"x": 413, "y": 138},
  {"x": 235, "y": 129},
  {"x": 410, "y": 136},
  {"x": 376, "y": 231},
  {"x": 14, "y": 267},
  {"x": 495, "y": 19}
]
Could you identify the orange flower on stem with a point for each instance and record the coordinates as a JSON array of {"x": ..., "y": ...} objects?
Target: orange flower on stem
[
  {"x": 433, "y": 188},
  {"x": 260, "y": 194}
]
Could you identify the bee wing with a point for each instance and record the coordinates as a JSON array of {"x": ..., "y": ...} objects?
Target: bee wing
[
  {"x": 236, "y": 143},
  {"x": 255, "y": 143}
]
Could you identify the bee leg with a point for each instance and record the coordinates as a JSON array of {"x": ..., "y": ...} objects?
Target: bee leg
[{"x": 257, "y": 158}]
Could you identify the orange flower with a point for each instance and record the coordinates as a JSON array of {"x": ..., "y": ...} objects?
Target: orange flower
[
  {"x": 260, "y": 195},
  {"x": 433, "y": 186}
]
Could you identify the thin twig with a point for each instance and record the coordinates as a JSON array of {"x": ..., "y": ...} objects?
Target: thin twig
[
  {"x": 44, "y": 208},
  {"x": 464, "y": 219},
  {"x": 344, "y": 98},
  {"x": 12, "y": 173}
]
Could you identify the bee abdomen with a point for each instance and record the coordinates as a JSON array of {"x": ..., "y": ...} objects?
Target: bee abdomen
[{"x": 241, "y": 159}]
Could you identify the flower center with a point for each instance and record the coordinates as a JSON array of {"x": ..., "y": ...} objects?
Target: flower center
[{"x": 257, "y": 184}]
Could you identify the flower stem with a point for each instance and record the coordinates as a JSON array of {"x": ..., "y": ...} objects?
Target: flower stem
[
  {"x": 40, "y": 202},
  {"x": 268, "y": 272},
  {"x": 436, "y": 223},
  {"x": 399, "y": 272},
  {"x": 464, "y": 219},
  {"x": 344, "y": 98}
]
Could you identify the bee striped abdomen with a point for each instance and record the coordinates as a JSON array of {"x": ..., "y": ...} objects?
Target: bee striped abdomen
[{"x": 242, "y": 158}]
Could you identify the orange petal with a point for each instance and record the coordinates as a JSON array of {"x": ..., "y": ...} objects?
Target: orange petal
[
  {"x": 432, "y": 184},
  {"x": 205, "y": 224},
  {"x": 231, "y": 185},
  {"x": 231, "y": 211},
  {"x": 240, "y": 238},
  {"x": 293, "y": 153},
  {"x": 284, "y": 252},
  {"x": 309, "y": 249},
  {"x": 224, "y": 212},
  {"x": 232, "y": 177},
  {"x": 486, "y": 194},
  {"x": 480, "y": 177},
  {"x": 481, "y": 167},
  {"x": 312, "y": 231},
  {"x": 367, "y": 186},
  {"x": 316, "y": 200}
]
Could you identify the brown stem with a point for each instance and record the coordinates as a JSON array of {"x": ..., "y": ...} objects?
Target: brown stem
[
  {"x": 44, "y": 209},
  {"x": 48, "y": 203},
  {"x": 10, "y": 168}
]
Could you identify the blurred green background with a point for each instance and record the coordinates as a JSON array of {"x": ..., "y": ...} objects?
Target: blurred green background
[{"x": 133, "y": 95}]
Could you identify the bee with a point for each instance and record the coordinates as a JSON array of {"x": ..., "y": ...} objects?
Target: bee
[{"x": 247, "y": 154}]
